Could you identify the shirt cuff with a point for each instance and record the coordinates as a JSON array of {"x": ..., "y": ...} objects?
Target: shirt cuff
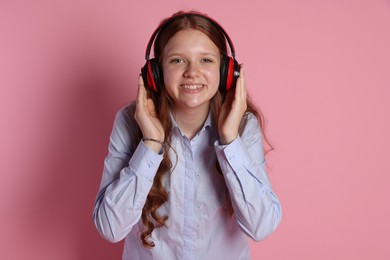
[
  {"x": 235, "y": 153},
  {"x": 145, "y": 162}
]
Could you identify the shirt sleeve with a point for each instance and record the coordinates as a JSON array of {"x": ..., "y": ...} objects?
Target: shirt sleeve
[
  {"x": 256, "y": 207},
  {"x": 129, "y": 170}
]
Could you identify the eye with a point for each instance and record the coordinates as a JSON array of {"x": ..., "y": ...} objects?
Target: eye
[
  {"x": 207, "y": 60},
  {"x": 176, "y": 60}
]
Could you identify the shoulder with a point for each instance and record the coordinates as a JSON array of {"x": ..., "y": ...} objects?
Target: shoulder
[
  {"x": 126, "y": 111},
  {"x": 249, "y": 120},
  {"x": 125, "y": 115},
  {"x": 250, "y": 130},
  {"x": 124, "y": 119},
  {"x": 125, "y": 132}
]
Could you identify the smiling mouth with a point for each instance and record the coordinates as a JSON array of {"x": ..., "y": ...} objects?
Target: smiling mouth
[{"x": 192, "y": 87}]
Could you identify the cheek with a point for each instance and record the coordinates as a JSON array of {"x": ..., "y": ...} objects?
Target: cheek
[
  {"x": 171, "y": 72},
  {"x": 170, "y": 80},
  {"x": 214, "y": 76},
  {"x": 168, "y": 76}
]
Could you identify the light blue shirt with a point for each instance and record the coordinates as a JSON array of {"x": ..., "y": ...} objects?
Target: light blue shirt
[{"x": 198, "y": 225}]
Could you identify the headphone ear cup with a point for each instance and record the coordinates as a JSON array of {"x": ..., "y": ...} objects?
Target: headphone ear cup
[
  {"x": 223, "y": 73},
  {"x": 230, "y": 71},
  {"x": 152, "y": 75}
]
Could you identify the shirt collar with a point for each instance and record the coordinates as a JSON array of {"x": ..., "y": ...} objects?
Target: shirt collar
[{"x": 209, "y": 122}]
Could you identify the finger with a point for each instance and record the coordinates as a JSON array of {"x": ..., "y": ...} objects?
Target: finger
[
  {"x": 242, "y": 82},
  {"x": 144, "y": 100},
  {"x": 141, "y": 84},
  {"x": 238, "y": 91},
  {"x": 151, "y": 108},
  {"x": 141, "y": 110},
  {"x": 242, "y": 95},
  {"x": 141, "y": 95}
]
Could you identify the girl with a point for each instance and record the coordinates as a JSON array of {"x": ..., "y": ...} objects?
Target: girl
[{"x": 185, "y": 176}]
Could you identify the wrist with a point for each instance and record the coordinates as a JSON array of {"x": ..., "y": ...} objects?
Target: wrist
[
  {"x": 225, "y": 140},
  {"x": 154, "y": 144}
]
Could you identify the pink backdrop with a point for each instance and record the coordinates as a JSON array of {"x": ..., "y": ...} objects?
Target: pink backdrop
[{"x": 320, "y": 71}]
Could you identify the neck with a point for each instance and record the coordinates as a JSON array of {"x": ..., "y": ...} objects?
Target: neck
[{"x": 191, "y": 121}]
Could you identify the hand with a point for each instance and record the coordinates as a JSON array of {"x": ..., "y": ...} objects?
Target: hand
[
  {"x": 146, "y": 117},
  {"x": 232, "y": 110}
]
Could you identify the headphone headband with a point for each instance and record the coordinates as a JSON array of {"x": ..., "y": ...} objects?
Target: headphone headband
[{"x": 177, "y": 16}]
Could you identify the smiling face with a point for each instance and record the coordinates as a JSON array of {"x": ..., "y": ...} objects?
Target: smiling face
[{"x": 191, "y": 67}]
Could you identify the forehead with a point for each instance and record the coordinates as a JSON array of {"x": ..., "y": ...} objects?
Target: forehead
[{"x": 190, "y": 40}]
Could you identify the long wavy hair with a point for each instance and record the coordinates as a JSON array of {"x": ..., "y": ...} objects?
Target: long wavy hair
[{"x": 158, "y": 195}]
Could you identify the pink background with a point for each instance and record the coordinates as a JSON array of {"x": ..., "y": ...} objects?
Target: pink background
[{"x": 320, "y": 71}]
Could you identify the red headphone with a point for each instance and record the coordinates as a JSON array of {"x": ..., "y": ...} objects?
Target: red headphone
[{"x": 152, "y": 71}]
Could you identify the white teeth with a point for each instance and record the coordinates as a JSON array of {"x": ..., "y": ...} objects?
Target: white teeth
[{"x": 192, "y": 87}]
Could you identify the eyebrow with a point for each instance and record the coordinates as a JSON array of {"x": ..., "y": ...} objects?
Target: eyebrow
[{"x": 200, "y": 54}]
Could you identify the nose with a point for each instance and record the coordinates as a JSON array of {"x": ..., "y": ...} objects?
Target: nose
[{"x": 192, "y": 70}]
